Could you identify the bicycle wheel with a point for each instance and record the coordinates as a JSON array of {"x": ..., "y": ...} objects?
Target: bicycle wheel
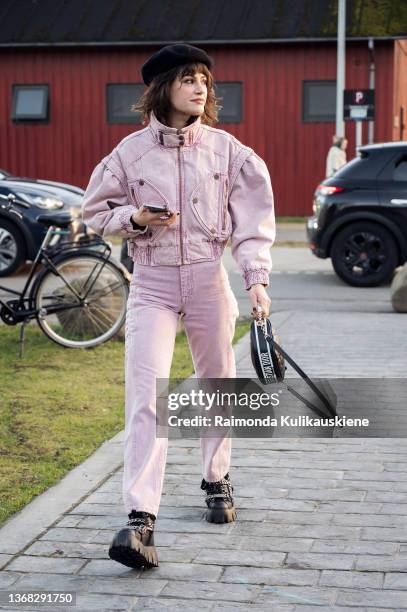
[{"x": 84, "y": 304}]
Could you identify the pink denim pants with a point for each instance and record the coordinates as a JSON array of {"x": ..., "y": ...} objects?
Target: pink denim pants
[{"x": 158, "y": 296}]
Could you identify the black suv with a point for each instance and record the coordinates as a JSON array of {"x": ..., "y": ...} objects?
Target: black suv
[{"x": 360, "y": 215}]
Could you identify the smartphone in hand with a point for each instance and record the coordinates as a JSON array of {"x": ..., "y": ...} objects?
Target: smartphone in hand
[{"x": 156, "y": 208}]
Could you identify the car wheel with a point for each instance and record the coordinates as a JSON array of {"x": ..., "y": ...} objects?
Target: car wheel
[
  {"x": 364, "y": 254},
  {"x": 12, "y": 248}
]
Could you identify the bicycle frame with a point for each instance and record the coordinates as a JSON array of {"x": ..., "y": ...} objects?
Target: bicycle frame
[{"x": 46, "y": 253}]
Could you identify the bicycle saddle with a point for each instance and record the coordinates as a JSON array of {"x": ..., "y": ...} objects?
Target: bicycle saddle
[{"x": 59, "y": 219}]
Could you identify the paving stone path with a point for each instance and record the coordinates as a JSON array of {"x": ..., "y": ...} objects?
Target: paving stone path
[{"x": 322, "y": 523}]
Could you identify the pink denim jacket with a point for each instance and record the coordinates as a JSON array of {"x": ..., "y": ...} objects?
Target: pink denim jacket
[{"x": 220, "y": 187}]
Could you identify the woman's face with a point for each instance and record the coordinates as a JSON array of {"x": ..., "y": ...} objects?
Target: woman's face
[{"x": 188, "y": 94}]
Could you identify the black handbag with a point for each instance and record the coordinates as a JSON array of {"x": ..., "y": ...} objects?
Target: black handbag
[{"x": 268, "y": 359}]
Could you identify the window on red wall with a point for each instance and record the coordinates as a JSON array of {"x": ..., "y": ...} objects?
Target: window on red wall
[
  {"x": 30, "y": 103},
  {"x": 318, "y": 101},
  {"x": 120, "y": 97},
  {"x": 231, "y": 95}
]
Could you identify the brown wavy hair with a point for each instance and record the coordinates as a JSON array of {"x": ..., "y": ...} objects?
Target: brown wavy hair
[{"x": 157, "y": 96}]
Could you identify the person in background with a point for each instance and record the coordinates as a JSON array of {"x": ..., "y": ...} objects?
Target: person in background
[{"x": 336, "y": 157}]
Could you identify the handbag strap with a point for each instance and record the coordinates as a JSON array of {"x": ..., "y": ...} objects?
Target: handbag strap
[{"x": 305, "y": 377}]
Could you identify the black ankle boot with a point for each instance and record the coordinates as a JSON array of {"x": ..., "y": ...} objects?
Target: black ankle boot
[
  {"x": 219, "y": 500},
  {"x": 134, "y": 545}
]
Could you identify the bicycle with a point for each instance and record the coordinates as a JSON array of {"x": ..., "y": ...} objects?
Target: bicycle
[{"x": 79, "y": 297}]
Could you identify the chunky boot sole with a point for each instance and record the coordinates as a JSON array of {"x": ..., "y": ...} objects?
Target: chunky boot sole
[
  {"x": 220, "y": 515},
  {"x": 130, "y": 551}
]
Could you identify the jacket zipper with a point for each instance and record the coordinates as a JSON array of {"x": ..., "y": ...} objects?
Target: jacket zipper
[
  {"x": 225, "y": 204},
  {"x": 180, "y": 203}
]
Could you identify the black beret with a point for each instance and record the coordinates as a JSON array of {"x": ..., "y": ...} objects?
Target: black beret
[{"x": 170, "y": 56}]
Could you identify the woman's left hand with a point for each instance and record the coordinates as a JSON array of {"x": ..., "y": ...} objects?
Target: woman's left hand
[{"x": 259, "y": 297}]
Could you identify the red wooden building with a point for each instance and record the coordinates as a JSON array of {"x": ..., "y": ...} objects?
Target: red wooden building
[{"x": 70, "y": 71}]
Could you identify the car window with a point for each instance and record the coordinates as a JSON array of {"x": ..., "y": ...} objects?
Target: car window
[
  {"x": 366, "y": 165},
  {"x": 400, "y": 169},
  {"x": 395, "y": 169},
  {"x": 355, "y": 167}
]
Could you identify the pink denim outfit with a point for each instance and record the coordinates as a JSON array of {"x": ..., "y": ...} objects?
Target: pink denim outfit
[
  {"x": 202, "y": 292},
  {"x": 222, "y": 190}
]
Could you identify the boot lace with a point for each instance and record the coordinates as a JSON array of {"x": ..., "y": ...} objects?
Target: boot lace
[
  {"x": 141, "y": 521},
  {"x": 219, "y": 489}
]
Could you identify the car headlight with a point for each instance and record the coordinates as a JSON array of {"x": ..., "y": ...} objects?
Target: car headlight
[{"x": 49, "y": 203}]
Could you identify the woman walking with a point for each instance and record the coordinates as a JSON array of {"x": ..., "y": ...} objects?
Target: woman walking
[
  {"x": 210, "y": 188},
  {"x": 336, "y": 157}
]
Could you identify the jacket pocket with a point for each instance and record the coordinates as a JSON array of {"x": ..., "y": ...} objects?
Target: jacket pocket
[
  {"x": 209, "y": 203},
  {"x": 143, "y": 191}
]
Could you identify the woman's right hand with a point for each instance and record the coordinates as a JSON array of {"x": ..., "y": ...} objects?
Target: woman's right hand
[{"x": 145, "y": 217}]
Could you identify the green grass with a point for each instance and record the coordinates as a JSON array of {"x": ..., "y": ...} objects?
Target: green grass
[
  {"x": 57, "y": 406},
  {"x": 291, "y": 244},
  {"x": 291, "y": 219}
]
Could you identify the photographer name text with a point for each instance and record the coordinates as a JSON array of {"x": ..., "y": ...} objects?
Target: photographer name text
[{"x": 268, "y": 421}]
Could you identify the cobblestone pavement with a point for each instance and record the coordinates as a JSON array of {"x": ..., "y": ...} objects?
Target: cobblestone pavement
[{"x": 322, "y": 523}]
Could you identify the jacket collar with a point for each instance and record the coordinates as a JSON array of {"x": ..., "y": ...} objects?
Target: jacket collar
[{"x": 173, "y": 137}]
